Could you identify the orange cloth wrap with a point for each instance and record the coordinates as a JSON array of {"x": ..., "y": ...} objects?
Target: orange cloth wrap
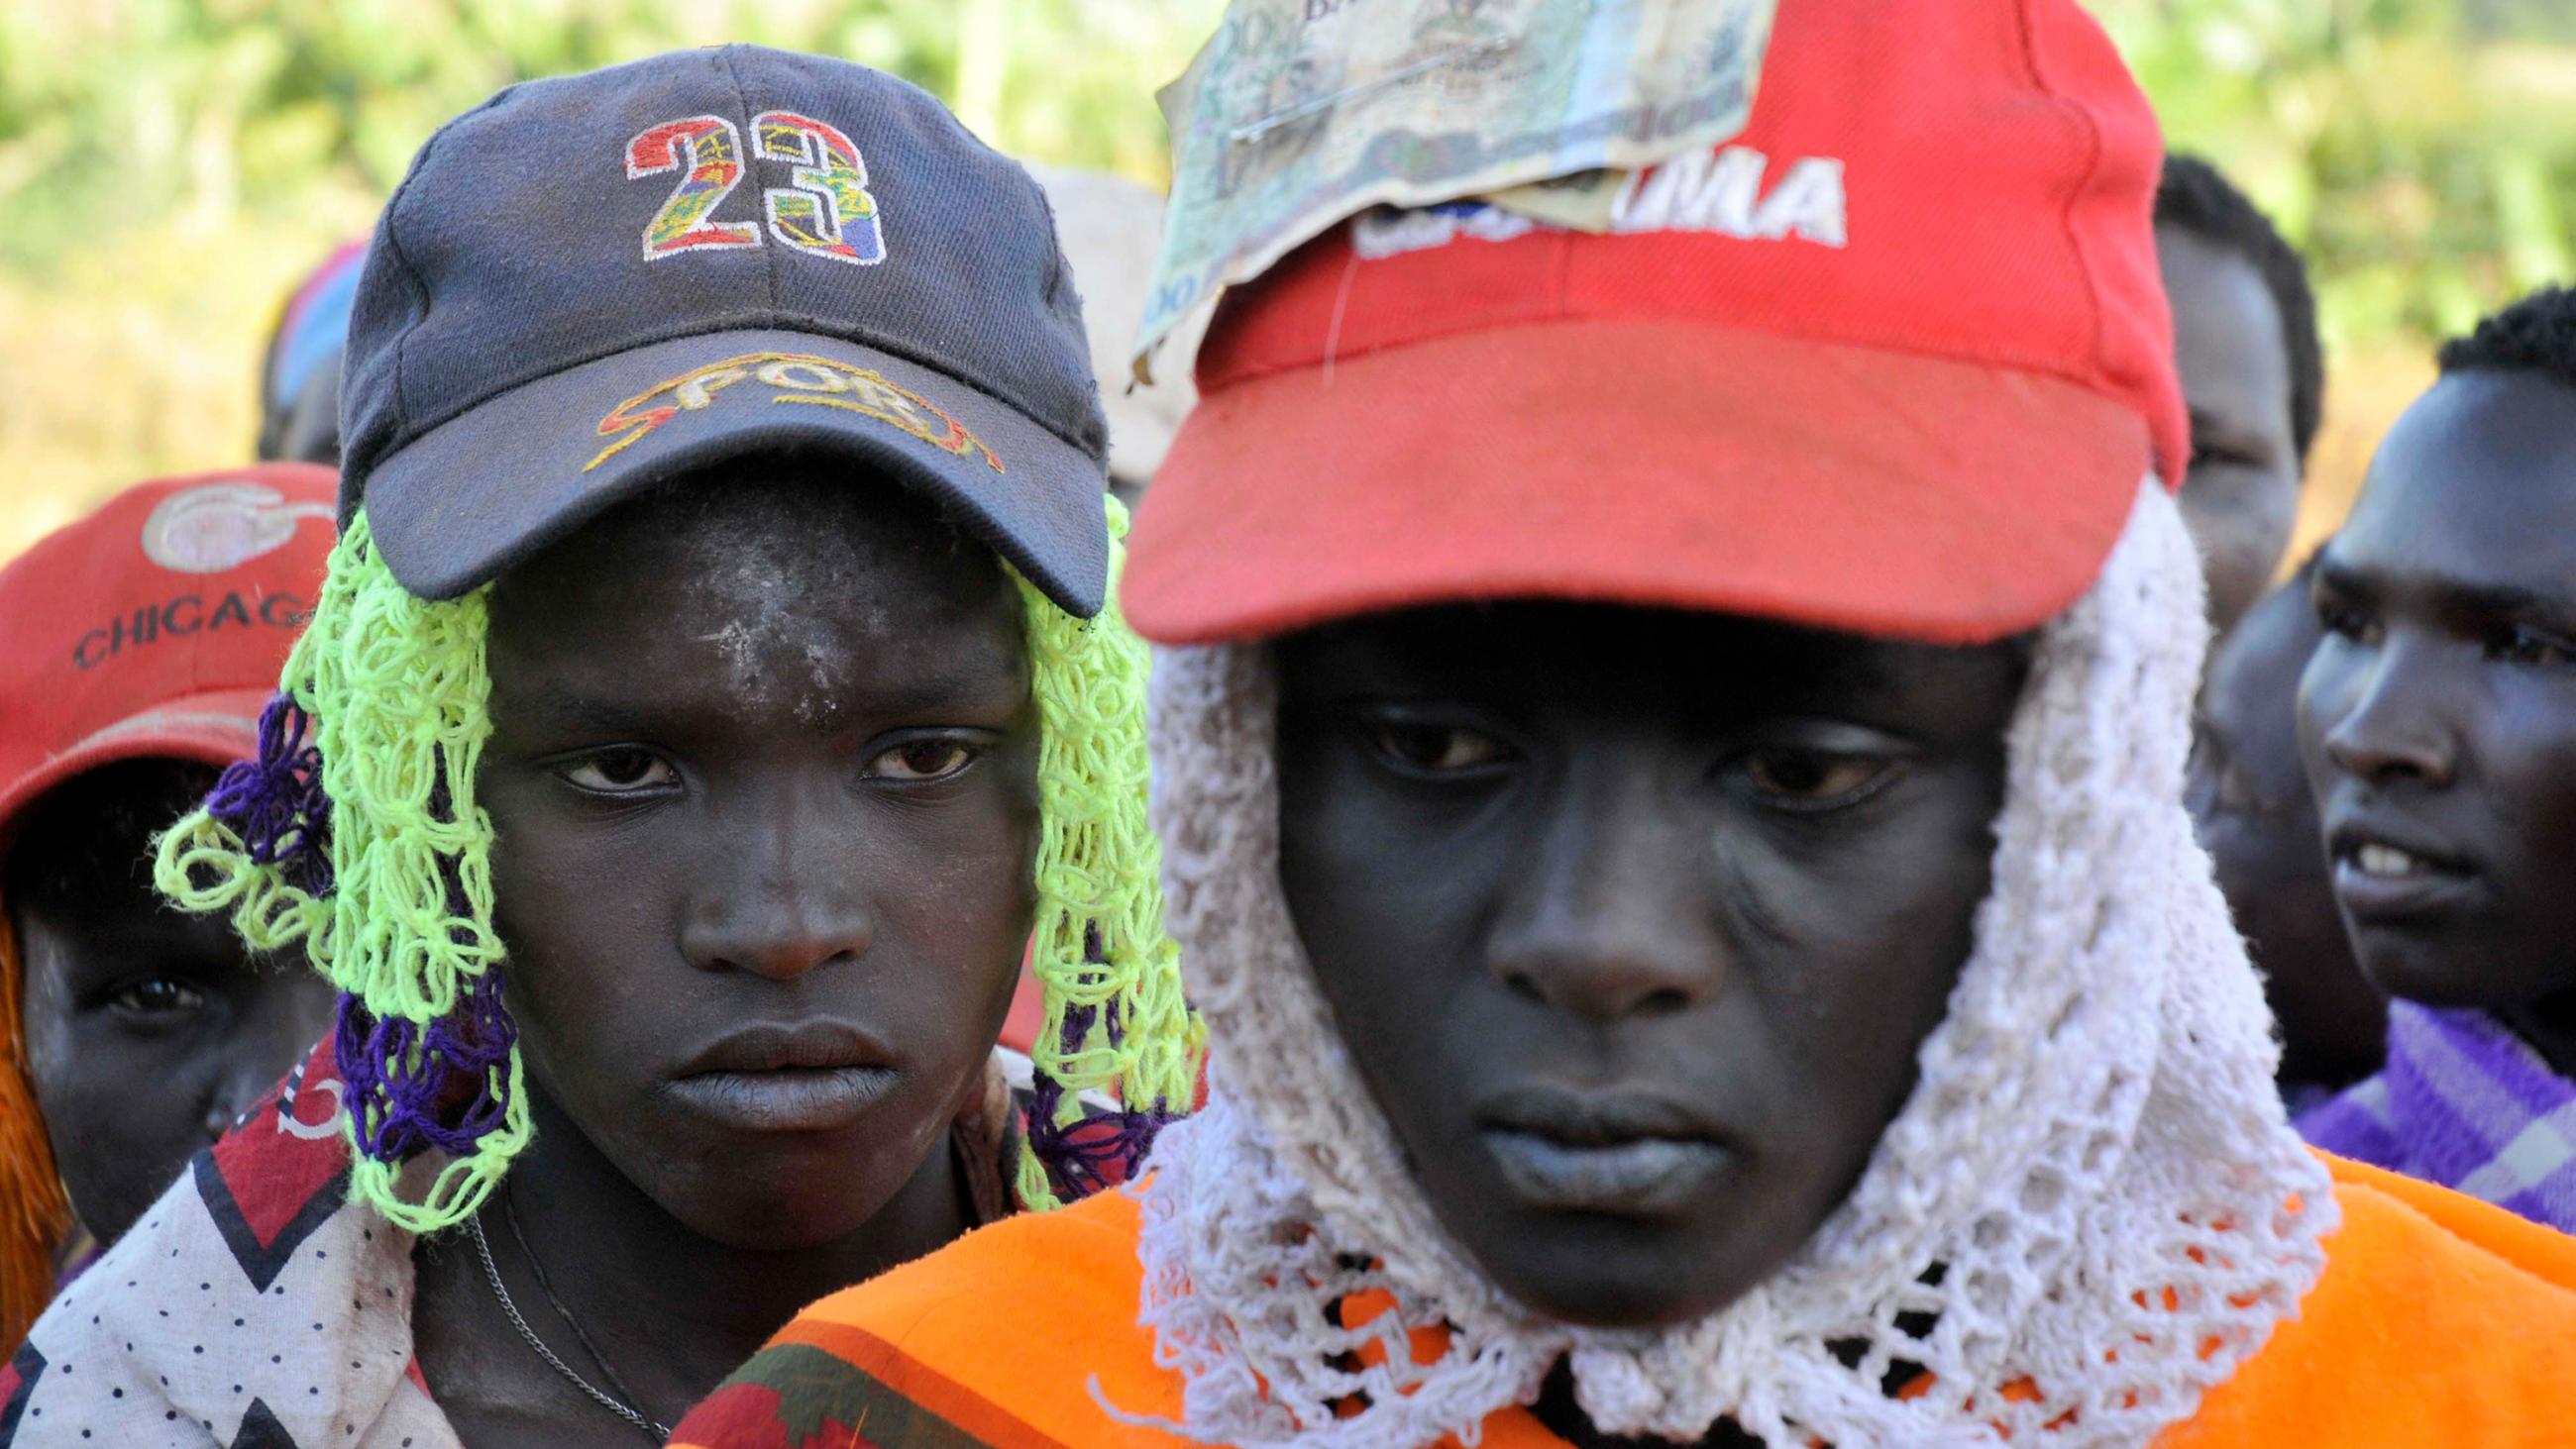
[{"x": 2440, "y": 1320}]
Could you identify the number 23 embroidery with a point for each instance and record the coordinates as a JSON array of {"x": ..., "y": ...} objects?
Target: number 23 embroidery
[{"x": 824, "y": 211}]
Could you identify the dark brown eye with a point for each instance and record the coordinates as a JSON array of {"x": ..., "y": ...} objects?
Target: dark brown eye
[
  {"x": 2522, "y": 644},
  {"x": 157, "y": 996},
  {"x": 620, "y": 772},
  {"x": 2347, "y": 622},
  {"x": 1809, "y": 777},
  {"x": 1432, "y": 749},
  {"x": 922, "y": 760}
]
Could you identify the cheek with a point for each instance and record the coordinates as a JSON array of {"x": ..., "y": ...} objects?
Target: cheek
[
  {"x": 1389, "y": 904},
  {"x": 2526, "y": 766},
  {"x": 1373, "y": 878},
  {"x": 2326, "y": 689},
  {"x": 1855, "y": 944},
  {"x": 2240, "y": 518},
  {"x": 581, "y": 917},
  {"x": 44, "y": 1016}
]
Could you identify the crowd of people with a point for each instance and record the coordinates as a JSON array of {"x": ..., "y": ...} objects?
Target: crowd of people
[{"x": 1731, "y": 833}]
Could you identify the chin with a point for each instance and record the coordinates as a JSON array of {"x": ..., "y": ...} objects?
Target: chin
[
  {"x": 781, "y": 1202},
  {"x": 770, "y": 1217},
  {"x": 2445, "y": 969},
  {"x": 1584, "y": 1284}
]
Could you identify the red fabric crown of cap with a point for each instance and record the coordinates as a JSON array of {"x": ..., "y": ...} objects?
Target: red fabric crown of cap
[
  {"x": 1895, "y": 360},
  {"x": 157, "y": 625}
]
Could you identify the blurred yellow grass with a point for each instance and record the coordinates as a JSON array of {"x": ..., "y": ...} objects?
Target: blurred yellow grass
[{"x": 141, "y": 358}]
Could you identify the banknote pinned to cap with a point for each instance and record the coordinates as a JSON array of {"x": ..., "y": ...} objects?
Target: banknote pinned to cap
[{"x": 1298, "y": 114}]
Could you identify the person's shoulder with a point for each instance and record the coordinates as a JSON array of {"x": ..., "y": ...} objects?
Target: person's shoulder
[
  {"x": 2439, "y": 1319},
  {"x": 1079, "y": 1259},
  {"x": 222, "y": 1307},
  {"x": 1023, "y": 1333}
]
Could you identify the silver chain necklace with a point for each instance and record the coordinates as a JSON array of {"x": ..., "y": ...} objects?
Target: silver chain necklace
[{"x": 483, "y": 1249}]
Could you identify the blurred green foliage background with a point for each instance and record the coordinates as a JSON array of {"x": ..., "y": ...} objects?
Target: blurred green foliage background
[
  {"x": 169, "y": 168},
  {"x": 2422, "y": 153}
]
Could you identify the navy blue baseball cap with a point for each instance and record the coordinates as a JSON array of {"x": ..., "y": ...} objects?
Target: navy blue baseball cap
[{"x": 592, "y": 284}]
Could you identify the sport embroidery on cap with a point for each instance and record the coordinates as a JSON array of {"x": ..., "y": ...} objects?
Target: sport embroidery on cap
[
  {"x": 795, "y": 377},
  {"x": 1717, "y": 191},
  {"x": 825, "y": 210},
  {"x": 215, "y": 527}
]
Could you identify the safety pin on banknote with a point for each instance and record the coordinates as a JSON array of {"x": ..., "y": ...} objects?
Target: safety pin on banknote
[{"x": 1255, "y": 130}]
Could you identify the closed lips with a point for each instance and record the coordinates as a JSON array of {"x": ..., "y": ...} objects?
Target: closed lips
[
  {"x": 1622, "y": 1155},
  {"x": 806, "y": 1046},
  {"x": 811, "y": 1077}
]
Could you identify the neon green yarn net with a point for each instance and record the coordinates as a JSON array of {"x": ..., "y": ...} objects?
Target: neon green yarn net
[
  {"x": 1115, "y": 1017},
  {"x": 397, "y": 693}
]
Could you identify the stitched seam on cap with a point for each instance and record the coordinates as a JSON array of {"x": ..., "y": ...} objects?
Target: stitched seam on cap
[
  {"x": 2096, "y": 347},
  {"x": 404, "y": 433},
  {"x": 770, "y": 253}
]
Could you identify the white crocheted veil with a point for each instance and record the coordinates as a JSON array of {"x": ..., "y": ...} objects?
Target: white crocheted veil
[{"x": 2092, "y": 1194}]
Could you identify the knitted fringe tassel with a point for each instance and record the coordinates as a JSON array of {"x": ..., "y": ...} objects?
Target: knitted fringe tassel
[
  {"x": 34, "y": 1215},
  {"x": 1115, "y": 1017},
  {"x": 396, "y": 691}
]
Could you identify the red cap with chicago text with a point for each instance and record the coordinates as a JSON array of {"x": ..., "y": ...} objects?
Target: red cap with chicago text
[
  {"x": 1894, "y": 360},
  {"x": 158, "y": 625}
]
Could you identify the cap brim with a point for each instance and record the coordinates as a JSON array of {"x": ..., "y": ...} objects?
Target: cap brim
[
  {"x": 1662, "y": 464},
  {"x": 484, "y": 491},
  {"x": 217, "y": 727}
]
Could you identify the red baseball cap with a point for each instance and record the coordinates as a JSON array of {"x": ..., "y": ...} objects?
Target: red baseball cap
[
  {"x": 158, "y": 625},
  {"x": 1894, "y": 360}
]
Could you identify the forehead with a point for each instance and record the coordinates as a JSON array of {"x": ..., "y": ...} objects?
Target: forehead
[
  {"x": 833, "y": 582},
  {"x": 2476, "y": 482},
  {"x": 1609, "y": 657},
  {"x": 2228, "y": 342}
]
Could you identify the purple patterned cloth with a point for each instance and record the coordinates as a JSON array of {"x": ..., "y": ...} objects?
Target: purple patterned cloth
[{"x": 2464, "y": 1103}]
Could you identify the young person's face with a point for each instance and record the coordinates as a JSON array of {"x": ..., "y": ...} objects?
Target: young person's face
[
  {"x": 148, "y": 1030},
  {"x": 2241, "y": 495},
  {"x": 2249, "y": 799},
  {"x": 1635, "y": 920},
  {"x": 763, "y": 782},
  {"x": 2438, "y": 716}
]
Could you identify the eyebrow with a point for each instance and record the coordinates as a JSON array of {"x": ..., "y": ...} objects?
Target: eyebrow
[
  {"x": 2454, "y": 594},
  {"x": 2334, "y": 574}
]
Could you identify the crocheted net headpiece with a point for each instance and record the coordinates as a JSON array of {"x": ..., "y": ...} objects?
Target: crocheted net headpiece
[
  {"x": 2091, "y": 1198},
  {"x": 357, "y": 832}
]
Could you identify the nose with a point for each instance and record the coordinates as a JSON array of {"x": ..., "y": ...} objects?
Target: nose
[
  {"x": 2394, "y": 729},
  {"x": 1610, "y": 916},
  {"x": 238, "y": 1087},
  {"x": 279, "y": 1022},
  {"x": 786, "y": 897}
]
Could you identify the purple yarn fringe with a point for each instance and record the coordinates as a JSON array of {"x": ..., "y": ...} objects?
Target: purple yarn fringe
[
  {"x": 275, "y": 802},
  {"x": 1098, "y": 1149},
  {"x": 409, "y": 1082},
  {"x": 411, "y": 1085}
]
